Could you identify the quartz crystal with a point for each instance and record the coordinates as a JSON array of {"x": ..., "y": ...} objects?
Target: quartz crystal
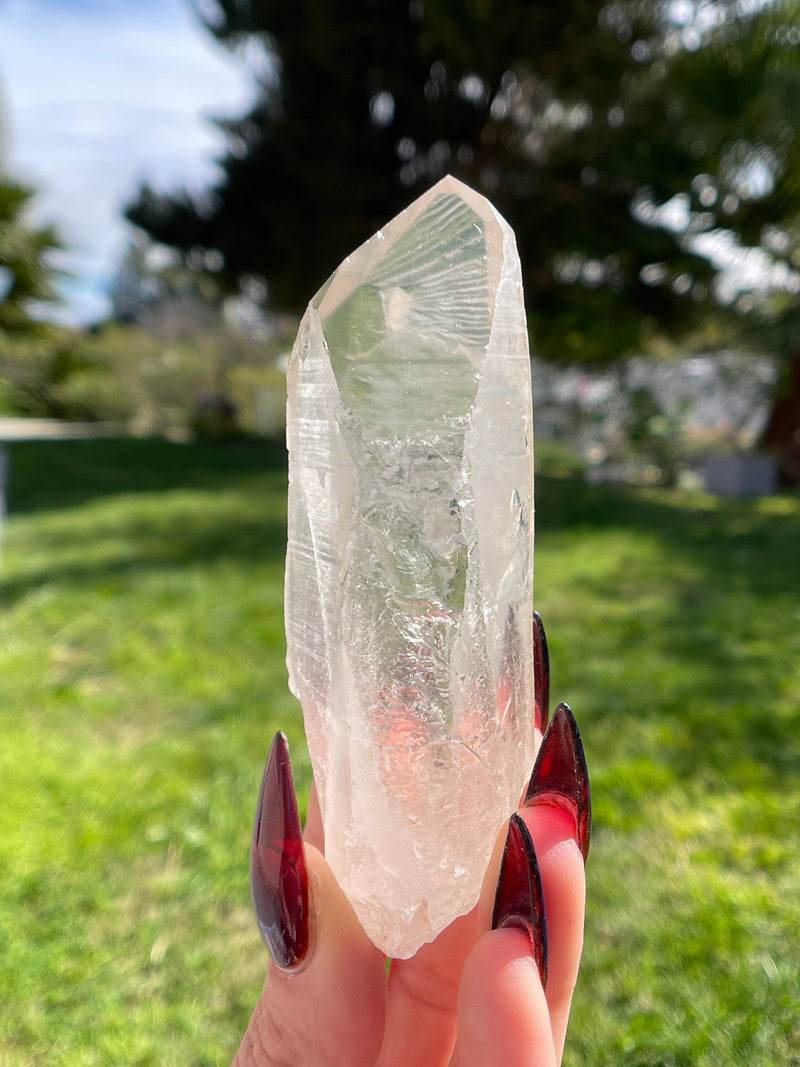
[{"x": 409, "y": 563}]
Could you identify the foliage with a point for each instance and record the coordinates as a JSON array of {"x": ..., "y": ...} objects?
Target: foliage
[
  {"x": 142, "y": 677},
  {"x": 58, "y": 376},
  {"x": 25, "y": 267},
  {"x": 554, "y": 458},
  {"x": 156, "y": 289},
  {"x": 614, "y": 136},
  {"x": 25, "y": 273},
  {"x": 654, "y": 433},
  {"x": 135, "y": 379}
]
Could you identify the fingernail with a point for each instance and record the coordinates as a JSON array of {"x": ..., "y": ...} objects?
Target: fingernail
[
  {"x": 278, "y": 873},
  {"x": 541, "y": 674},
  {"x": 519, "y": 901},
  {"x": 560, "y": 776}
]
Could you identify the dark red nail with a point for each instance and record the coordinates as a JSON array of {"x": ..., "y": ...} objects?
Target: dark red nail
[
  {"x": 560, "y": 776},
  {"x": 541, "y": 674},
  {"x": 278, "y": 874},
  {"x": 519, "y": 900}
]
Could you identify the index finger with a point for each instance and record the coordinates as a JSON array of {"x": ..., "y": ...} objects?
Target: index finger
[
  {"x": 564, "y": 887},
  {"x": 557, "y": 813}
]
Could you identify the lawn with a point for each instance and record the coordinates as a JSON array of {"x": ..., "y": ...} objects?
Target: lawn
[{"x": 142, "y": 678}]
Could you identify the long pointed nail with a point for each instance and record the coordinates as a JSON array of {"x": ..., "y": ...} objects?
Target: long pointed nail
[
  {"x": 541, "y": 674},
  {"x": 519, "y": 900},
  {"x": 278, "y": 873},
  {"x": 560, "y": 776}
]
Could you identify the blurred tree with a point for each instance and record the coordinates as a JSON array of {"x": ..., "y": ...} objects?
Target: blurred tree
[
  {"x": 25, "y": 274},
  {"x": 181, "y": 302},
  {"x": 638, "y": 147},
  {"x": 782, "y": 330},
  {"x": 167, "y": 294}
]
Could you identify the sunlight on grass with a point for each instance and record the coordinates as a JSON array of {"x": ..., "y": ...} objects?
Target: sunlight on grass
[{"x": 142, "y": 677}]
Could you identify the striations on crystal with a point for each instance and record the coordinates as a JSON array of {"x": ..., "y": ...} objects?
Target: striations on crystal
[{"x": 409, "y": 562}]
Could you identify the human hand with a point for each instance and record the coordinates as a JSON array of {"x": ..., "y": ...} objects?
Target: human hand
[{"x": 494, "y": 988}]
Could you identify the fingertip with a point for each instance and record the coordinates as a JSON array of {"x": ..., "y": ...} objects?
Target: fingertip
[
  {"x": 554, "y": 836},
  {"x": 560, "y": 863},
  {"x": 563, "y": 877},
  {"x": 340, "y": 952},
  {"x": 503, "y": 1017},
  {"x": 341, "y": 980}
]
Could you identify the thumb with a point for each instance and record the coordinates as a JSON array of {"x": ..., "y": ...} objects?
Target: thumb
[{"x": 323, "y": 999}]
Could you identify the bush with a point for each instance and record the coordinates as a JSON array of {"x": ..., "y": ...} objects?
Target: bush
[
  {"x": 209, "y": 384},
  {"x": 557, "y": 459}
]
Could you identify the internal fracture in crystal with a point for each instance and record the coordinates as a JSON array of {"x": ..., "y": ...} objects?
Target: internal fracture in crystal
[{"x": 409, "y": 563}]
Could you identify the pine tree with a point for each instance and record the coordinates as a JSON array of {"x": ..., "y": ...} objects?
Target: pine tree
[
  {"x": 25, "y": 274},
  {"x": 623, "y": 140}
]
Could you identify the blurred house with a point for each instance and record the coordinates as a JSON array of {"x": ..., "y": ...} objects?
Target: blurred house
[{"x": 696, "y": 405}]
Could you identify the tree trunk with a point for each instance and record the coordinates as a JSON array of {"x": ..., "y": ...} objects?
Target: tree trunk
[{"x": 782, "y": 434}]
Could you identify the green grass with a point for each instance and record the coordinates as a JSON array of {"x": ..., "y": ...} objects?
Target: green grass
[{"x": 142, "y": 677}]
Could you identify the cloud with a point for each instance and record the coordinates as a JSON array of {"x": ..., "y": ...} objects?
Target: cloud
[{"x": 100, "y": 96}]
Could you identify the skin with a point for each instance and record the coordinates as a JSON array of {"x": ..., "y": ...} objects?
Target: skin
[{"x": 471, "y": 998}]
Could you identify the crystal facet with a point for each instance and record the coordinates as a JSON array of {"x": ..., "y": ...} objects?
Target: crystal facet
[{"x": 409, "y": 564}]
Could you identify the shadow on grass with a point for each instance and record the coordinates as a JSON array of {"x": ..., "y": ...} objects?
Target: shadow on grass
[
  {"x": 719, "y": 626},
  {"x": 711, "y": 626},
  {"x": 57, "y": 474},
  {"x": 143, "y": 475},
  {"x": 160, "y": 545}
]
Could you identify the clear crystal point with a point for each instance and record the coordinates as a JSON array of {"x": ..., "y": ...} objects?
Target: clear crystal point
[{"x": 409, "y": 563}]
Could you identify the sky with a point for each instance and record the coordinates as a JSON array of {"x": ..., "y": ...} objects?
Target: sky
[
  {"x": 98, "y": 95},
  {"x": 95, "y": 96}
]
